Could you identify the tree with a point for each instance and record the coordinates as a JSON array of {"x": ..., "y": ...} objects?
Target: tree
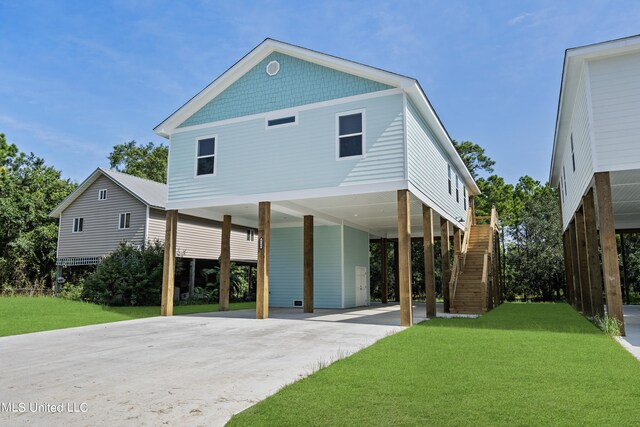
[
  {"x": 535, "y": 249},
  {"x": 29, "y": 190},
  {"x": 144, "y": 161},
  {"x": 474, "y": 157}
]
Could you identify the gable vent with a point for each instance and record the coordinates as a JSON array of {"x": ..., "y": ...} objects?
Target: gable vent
[{"x": 273, "y": 67}]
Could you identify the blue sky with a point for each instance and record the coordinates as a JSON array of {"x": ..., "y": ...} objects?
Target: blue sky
[{"x": 77, "y": 77}]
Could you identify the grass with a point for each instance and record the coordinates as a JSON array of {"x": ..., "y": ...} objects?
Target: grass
[
  {"x": 522, "y": 364},
  {"x": 21, "y": 315}
]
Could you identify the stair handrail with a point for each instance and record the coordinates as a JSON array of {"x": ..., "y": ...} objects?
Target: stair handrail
[
  {"x": 485, "y": 276},
  {"x": 460, "y": 257}
]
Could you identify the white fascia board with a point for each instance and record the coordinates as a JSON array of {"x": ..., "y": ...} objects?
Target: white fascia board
[
  {"x": 344, "y": 190},
  {"x": 256, "y": 55},
  {"x": 417, "y": 95}
]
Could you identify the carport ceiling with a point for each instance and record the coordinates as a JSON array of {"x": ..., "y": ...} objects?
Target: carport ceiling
[{"x": 373, "y": 212}]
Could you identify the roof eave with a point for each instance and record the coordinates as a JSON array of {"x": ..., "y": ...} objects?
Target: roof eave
[{"x": 257, "y": 54}]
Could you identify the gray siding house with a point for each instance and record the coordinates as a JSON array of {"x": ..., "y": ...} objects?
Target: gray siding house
[{"x": 110, "y": 207}]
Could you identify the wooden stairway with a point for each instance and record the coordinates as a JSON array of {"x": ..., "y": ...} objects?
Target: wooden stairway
[{"x": 469, "y": 294}]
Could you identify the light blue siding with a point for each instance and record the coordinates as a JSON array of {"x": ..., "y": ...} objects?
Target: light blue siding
[
  {"x": 286, "y": 267},
  {"x": 297, "y": 83},
  {"x": 427, "y": 163},
  {"x": 356, "y": 253},
  {"x": 252, "y": 159}
]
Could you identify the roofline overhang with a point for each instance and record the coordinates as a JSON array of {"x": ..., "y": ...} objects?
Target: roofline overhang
[
  {"x": 84, "y": 185},
  {"x": 574, "y": 59}
]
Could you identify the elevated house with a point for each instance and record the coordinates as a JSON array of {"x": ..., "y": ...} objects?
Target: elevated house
[
  {"x": 596, "y": 167},
  {"x": 110, "y": 207},
  {"x": 321, "y": 154}
]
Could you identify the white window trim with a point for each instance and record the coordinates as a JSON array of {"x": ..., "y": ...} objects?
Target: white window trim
[
  {"x": 449, "y": 183},
  {"x": 457, "y": 189},
  {"x": 73, "y": 224},
  {"x": 106, "y": 194},
  {"x": 293, "y": 114},
  {"x": 215, "y": 156},
  {"x": 125, "y": 220},
  {"x": 364, "y": 134}
]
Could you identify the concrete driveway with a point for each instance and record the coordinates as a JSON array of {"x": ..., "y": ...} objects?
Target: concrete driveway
[
  {"x": 632, "y": 327},
  {"x": 195, "y": 370}
]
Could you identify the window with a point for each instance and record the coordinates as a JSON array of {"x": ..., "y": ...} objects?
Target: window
[
  {"x": 251, "y": 235},
  {"x": 350, "y": 135},
  {"x": 457, "y": 190},
  {"x": 102, "y": 195},
  {"x": 573, "y": 157},
  {"x": 125, "y": 221},
  {"x": 281, "y": 121},
  {"x": 449, "y": 174},
  {"x": 564, "y": 174},
  {"x": 78, "y": 224},
  {"x": 464, "y": 197},
  {"x": 206, "y": 156}
]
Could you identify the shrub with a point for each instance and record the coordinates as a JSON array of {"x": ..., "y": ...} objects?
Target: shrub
[
  {"x": 129, "y": 276},
  {"x": 72, "y": 291}
]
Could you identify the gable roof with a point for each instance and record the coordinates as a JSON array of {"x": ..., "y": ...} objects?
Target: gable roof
[
  {"x": 574, "y": 59},
  {"x": 150, "y": 193},
  {"x": 410, "y": 85}
]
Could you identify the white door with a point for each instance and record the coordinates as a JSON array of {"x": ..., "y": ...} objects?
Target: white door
[{"x": 362, "y": 288}]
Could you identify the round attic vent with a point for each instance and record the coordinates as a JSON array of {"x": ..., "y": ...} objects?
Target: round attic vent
[{"x": 273, "y": 67}]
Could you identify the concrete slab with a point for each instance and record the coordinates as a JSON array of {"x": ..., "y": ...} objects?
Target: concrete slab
[
  {"x": 195, "y": 370},
  {"x": 632, "y": 328}
]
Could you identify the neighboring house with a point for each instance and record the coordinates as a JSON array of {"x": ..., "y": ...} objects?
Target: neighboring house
[
  {"x": 288, "y": 135},
  {"x": 110, "y": 207},
  {"x": 596, "y": 166}
]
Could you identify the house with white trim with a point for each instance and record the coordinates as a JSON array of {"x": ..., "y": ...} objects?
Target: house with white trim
[
  {"x": 321, "y": 154},
  {"x": 111, "y": 207},
  {"x": 595, "y": 165}
]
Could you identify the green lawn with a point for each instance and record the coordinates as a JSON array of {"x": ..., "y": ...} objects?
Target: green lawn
[
  {"x": 520, "y": 365},
  {"x": 20, "y": 315}
]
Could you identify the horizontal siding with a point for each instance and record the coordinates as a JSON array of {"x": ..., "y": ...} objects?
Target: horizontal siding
[
  {"x": 577, "y": 182},
  {"x": 201, "y": 238},
  {"x": 252, "y": 159},
  {"x": 286, "y": 267},
  {"x": 356, "y": 254},
  {"x": 100, "y": 234},
  {"x": 427, "y": 163},
  {"x": 615, "y": 97}
]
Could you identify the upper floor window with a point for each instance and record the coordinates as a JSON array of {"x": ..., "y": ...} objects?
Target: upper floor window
[
  {"x": 351, "y": 134},
  {"x": 449, "y": 175},
  {"x": 573, "y": 157},
  {"x": 251, "y": 235},
  {"x": 457, "y": 190},
  {"x": 78, "y": 224},
  {"x": 464, "y": 197},
  {"x": 205, "y": 162},
  {"x": 564, "y": 174},
  {"x": 102, "y": 195},
  {"x": 125, "y": 221}
]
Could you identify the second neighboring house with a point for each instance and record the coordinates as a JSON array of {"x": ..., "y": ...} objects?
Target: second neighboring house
[
  {"x": 110, "y": 207},
  {"x": 595, "y": 166}
]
